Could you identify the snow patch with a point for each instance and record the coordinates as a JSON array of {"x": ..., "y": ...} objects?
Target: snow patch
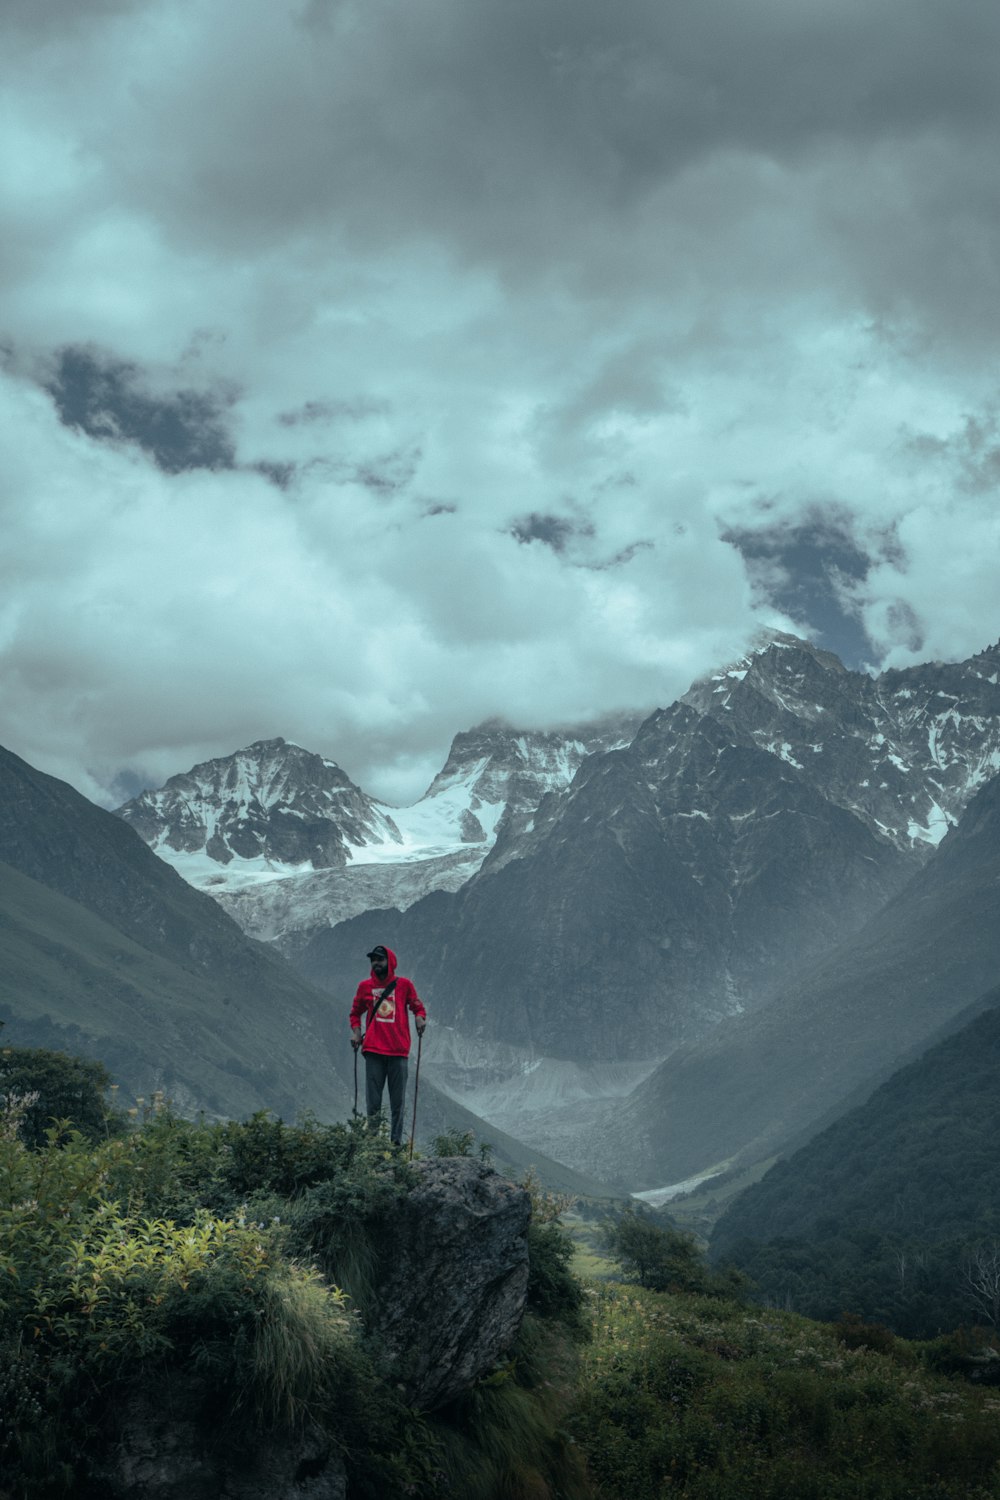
[
  {"x": 784, "y": 752},
  {"x": 656, "y": 1197}
]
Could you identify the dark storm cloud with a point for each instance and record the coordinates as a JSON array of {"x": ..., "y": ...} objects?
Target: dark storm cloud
[
  {"x": 554, "y": 531},
  {"x": 807, "y": 570},
  {"x": 107, "y": 399},
  {"x": 678, "y": 152},
  {"x": 451, "y": 118},
  {"x": 324, "y": 413},
  {"x": 54, "y": 18}
]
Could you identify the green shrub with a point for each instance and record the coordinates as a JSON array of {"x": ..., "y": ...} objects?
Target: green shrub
[
  {"x": 855, "y": 1334},
  {"x": 553, "y": 1290},
  {"x": 663, "y": 1258},
  {"x": 50, "y": 1087},
  {"x": 455, "y": 1142},
  {"x": 102, "y": 1291}
]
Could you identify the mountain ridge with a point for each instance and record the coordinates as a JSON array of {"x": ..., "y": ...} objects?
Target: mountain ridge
[
  {"x": 285, "y": 841},
  {"x": 921, "y": 960}
]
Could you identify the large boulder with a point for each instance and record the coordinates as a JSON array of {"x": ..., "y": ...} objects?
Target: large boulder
[{"x": 452, "y": 1299}]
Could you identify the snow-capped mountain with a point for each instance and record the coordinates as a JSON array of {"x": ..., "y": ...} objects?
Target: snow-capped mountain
[
  {"x": 601, "y": 900},
  {"x": 745, "y": 832},
  {"x": 286, "y": 842},
  {"x": 268, "y": 807},
  {"x": 904, "y": 751}
]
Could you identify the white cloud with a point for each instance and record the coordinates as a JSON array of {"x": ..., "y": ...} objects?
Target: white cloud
[{"x": 649, "y": 273}]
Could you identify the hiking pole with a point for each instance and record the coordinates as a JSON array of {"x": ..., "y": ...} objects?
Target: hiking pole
[
  {"x": 355, "y": 1080},
  {"x": 416, "y": 1088}
]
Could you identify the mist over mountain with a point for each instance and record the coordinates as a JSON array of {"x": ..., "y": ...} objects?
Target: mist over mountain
[{"x": 756, "y": 1084}]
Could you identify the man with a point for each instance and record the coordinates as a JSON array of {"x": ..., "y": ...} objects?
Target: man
[{"x": 385, "y": 999}]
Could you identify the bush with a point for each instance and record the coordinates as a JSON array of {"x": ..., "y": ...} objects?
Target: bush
[
  {"x": 855, "y": 1334},
  {"x": 50, "y": 1087},
  {"x": 102, "y": 1291},
  {"x": 201, "y": 1266},
  {"x": 455, "y": 1142},
  {"x": 663, "y": 1259}
]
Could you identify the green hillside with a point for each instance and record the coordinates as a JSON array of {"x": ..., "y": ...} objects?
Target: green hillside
[
  {"x": 68, "y": 979},
  {"x": 885, "y": 1211}
]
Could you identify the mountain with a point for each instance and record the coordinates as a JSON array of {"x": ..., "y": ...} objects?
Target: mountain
[
  {"x": 882, "y": 1211},
  {"x": 743, "y": 831},
  {"x": 752, "y": 1087},
  {"x": 270, "y": 804},
  {"x": 903, "y": 751},
  {"x": 285, "y": 841},
  {"x": 633, "y": 896},
  {"x": 687, "y": 878},
  {"x": 106, "y": 950}
]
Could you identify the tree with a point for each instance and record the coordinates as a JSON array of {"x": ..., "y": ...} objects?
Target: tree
[
  {"x": 662, "y": 1259},
  {"x": 982, "y": 1279},
  {"x": 54, "y": 1086}
]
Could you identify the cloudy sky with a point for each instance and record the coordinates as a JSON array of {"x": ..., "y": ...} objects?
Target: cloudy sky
[{"x": 372, "y": 367}]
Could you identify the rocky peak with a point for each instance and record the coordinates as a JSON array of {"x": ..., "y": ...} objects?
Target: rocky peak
[
  {"x": 904, "y": 751},
  {"x": 497, "y": 759},
  {"x": 515, "y": 773},
  {"x": 272, "y": 801}
]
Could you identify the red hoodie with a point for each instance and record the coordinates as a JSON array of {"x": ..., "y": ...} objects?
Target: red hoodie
[{"x": 389, "y": 1028}]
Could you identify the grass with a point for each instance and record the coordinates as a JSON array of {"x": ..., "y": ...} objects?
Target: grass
[
  {"x": 682, "y": 1396},
  {"x": 590, "y": 1261}
]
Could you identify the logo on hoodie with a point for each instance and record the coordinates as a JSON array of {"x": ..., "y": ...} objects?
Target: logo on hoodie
[{"x": 385, "y": 1006}]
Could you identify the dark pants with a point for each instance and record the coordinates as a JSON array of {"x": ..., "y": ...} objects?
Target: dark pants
[{"x": 380, "y": 1070}]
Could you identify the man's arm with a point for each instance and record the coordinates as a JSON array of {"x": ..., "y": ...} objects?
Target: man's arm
[
  {"x": 359, "y": 1007},
  {"x": 415, "y": 1003}
]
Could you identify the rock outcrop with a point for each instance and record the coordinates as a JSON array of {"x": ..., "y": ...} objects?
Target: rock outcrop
[
  {"x": 452, "y": 1302},
  {"x": 448, "y": 1308}
]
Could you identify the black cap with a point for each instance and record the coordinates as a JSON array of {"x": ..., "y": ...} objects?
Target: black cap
[{"x": 377, "y": 952}]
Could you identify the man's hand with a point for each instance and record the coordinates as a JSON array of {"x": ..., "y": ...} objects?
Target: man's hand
[
  {"x": 421, "y": 1023},
  {"x": 356, "y": 1038}
]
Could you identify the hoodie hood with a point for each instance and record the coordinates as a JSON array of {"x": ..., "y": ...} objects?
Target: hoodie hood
[{"x": 391, "y": 957}]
